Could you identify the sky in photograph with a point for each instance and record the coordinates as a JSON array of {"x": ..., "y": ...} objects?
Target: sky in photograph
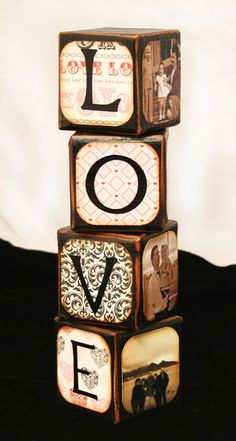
[{"x": 150, "y": 347}]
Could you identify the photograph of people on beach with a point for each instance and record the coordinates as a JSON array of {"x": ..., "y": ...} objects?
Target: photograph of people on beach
[{"x": 150, "y": 370}]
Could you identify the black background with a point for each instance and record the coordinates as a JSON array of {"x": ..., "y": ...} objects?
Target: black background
[{"x": 29, "y": 410}]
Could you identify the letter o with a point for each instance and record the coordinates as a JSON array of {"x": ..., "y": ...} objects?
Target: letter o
[{"x": 142, "y": 184}]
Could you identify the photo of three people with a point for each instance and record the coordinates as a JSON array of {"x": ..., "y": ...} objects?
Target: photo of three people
[
  {"x": 161, "y": 81},
  {"x": 150, "y": 368}
]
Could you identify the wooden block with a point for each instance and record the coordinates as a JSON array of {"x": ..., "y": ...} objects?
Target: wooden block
[
  {"x": 119, "y": 80},
  {"x": 118, "y": 182},
  {"x": 117, "y": 279},
  {"x": 117, "y": 375}
]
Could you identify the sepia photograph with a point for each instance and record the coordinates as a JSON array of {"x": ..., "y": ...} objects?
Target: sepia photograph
[
  {"x": 160, "y": 275},
  {"x": 127, "y": 237},
  {"x": 161, "y": 81},
  {"x": 150, "y": 368}
]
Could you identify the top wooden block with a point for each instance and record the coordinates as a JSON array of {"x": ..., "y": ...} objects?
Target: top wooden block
[{"x": 119, "y": 80}]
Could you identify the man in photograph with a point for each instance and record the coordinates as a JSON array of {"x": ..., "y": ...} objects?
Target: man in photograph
[
  {"x": 154, "y": 301},
  {"x": 173, "y": 99},
  {"x": 148, "y": 83},
  {"x": 163, "y": 380},
  {"x": 166, "y": 272}
]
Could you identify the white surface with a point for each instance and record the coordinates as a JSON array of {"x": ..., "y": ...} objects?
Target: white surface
[{"x": 201, "y": 150}]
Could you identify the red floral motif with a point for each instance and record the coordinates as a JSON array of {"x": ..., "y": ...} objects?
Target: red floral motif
[
  {"x": 67, "y": 329},
  {"x": 79, "y": 400}
]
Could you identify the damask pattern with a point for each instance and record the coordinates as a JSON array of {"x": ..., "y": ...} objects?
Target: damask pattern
[
  {"x": 60, "y": 344},
  {"x": 90, "y": 378},
  {"x": 116, "y": 303},
  {"x": 99, "y": 356}
]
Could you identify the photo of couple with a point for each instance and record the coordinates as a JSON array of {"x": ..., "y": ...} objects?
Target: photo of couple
[
  {"x": 161, "y": 81},
  {"x": 160, "y": 275}
]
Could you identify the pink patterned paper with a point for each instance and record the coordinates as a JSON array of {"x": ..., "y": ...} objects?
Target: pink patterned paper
[
  {"x": 112, "y": 79},
  {"x": 95, "y": 360},
  {"x": 78, "y": 399},
  {"x": 67, "y": 371},
  {"x": 116, "y": 183}
]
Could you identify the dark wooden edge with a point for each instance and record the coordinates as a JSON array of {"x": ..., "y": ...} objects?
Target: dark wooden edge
[{"x": 160, "y": 147}]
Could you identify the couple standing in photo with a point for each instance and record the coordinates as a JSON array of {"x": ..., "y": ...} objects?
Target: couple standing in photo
[{"x": 158, "y": 287}]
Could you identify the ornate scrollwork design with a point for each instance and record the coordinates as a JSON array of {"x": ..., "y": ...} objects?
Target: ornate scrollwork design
[{"x": 116, "y": 303}]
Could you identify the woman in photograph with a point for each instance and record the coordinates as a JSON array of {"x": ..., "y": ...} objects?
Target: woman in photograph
[
  {"x": 156, "y": 391},
  {"x": 163, "y": 88},
  {"x": 149, "y": 391},
  {"x": 166, "y": 272},
  {"x": 144, "y": 393},
  {"x": 138, "y": 397}
]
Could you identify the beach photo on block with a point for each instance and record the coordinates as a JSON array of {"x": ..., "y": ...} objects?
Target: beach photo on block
[{"x": 150, "y": 368}]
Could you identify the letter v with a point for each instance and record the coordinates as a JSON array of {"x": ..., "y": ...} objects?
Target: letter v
[{"x": 110, "y": 262}]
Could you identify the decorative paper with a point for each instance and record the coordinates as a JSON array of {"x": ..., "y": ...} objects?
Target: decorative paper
[
  {"x": 116, "y": 183},
  {"x": 116, "y": 303},
  {"x": 112, "y": 79},
  {"x": 97, "y": 381}
]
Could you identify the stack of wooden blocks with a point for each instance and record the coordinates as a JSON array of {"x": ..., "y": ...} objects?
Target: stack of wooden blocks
[{"x": 118, "y": 338}]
